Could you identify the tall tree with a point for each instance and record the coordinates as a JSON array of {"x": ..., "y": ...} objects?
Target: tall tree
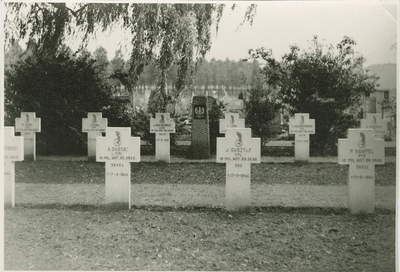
[
  {"x": 101, "y": 62},
  {"x": 325, "y": 82},
  {"x": 163, "y": 33}
]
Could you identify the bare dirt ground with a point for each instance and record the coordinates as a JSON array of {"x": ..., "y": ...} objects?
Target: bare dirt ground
[{"x": 298, "y": 220}]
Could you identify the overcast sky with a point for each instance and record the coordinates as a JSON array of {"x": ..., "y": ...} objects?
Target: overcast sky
[{"x": 278, "y": 24}]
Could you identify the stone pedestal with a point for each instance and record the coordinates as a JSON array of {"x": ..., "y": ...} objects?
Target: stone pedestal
[{"x": 200, "y": 129}]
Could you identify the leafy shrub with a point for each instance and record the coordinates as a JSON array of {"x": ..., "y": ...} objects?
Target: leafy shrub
[
  {"x": 326, "y": 83},
  {"x": 62, "y": 90},
  {"x": 215, "y": 113},
  {"x": 261, "y": 110}
]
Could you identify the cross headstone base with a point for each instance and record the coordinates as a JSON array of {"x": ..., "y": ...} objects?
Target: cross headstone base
[
  {"x": 163, "y": 147},
  {"x": 361, "y": 190},
  {"x": 118, "y": 185},
  {"x": 29, "y": 146},
  {"x": 91, "y": 141},
  {"x": 302, "y": 148},
  {"x": 9, "y": 184},
  {"x": 237, "y": 192}
]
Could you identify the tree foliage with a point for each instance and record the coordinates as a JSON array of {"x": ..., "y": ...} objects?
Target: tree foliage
[
  {"x": 326, "y": 82},
  {"x": 261, "y": 109},
  {"x": 165, "y": 34},
  {"x": 61, "y": 90}
]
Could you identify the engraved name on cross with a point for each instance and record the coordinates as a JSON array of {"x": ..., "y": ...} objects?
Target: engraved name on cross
[
  {"x": 374, "y": 121},
  {"x": 231, "y": 121}
]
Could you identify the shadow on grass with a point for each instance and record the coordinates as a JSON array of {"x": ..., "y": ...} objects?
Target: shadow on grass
[{"x": 206, "y": 209}]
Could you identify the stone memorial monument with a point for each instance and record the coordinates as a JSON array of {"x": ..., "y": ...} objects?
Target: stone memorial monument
[
  {"x": 162, "y": 126},
  {"x": 302, "y": 127},
  {"x": 200, "y": 128},
  {"x": 238, "y": 150},
  {"x": 13, "y": 151},
  {"x": 231, "y": 121},
  {"x": 118, "y": 149},
  {"x": 94, "y": 125},
  {"x": 375, "y": 122},
  {"x": 28, "y": 125},
  {"x": 361, "y": 151}
]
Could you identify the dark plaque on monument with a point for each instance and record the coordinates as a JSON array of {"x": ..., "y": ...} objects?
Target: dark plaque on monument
[
  {"x": 200, "y": 111},
  {"x": 200, "y": 129}
]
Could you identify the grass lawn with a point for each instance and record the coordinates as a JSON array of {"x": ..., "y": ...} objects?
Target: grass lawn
[{"x": 298, "y": 220}]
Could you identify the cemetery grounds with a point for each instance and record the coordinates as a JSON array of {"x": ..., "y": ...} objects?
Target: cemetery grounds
[{"x": 298, "y": 221}]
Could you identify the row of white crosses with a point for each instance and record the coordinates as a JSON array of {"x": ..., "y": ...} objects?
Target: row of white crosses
[
  {"x": 238, "y": 150},
  {"x": 95, "y": 125},
  {"x": 363, "y": 149},
  {"x": 118, "y": 149}
]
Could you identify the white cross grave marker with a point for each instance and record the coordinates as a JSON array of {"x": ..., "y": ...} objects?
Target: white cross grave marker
[
  {"x": 231, "y": 121},
  {"x": 238, "y": 150},
  {"x": 94, "y": 125},
  {"x": 361, "y": 151},
  {"x": 162, "y": 126},
  {"x": 118, "y": 149},
  {"x": 13, "y": 151},
  {"x": 379, "y": 125},
  {"x": 302, "y": 127},
  {"x": 28, "y": 125}
]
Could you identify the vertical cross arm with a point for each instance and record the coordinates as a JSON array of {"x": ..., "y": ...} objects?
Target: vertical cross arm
[
  {"x": 257, "y": 152},
  {"x": 343, "y": 151}
]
